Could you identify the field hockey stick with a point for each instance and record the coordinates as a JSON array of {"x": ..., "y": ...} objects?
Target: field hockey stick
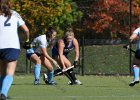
[
  {"x": 63, "y": 71},
  {"x": 129, "y": 49},
  {"x": 68, "y": 68}
]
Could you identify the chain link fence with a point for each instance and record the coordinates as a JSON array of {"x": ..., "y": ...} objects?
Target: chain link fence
[{"x": 96, "y": 57}]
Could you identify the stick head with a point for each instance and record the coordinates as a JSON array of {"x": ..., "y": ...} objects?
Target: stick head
[{"x": 125, "y": 46}]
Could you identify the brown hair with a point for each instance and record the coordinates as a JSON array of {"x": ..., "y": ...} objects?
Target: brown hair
[
  {"x": 49, "y": 32},
  {"x": 5, "y": 8}
]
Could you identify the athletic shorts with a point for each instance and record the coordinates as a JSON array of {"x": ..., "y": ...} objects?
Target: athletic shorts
[
  {"x": 9, "y": 54},
  {"x": 55, "y": 53},
  {"x": 28, "y": 55}
]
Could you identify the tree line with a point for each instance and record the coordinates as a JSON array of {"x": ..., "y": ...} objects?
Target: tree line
[{"x": 89, "y": 18}]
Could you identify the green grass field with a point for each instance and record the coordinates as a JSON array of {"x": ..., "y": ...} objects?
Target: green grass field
[{"x": 93, "y": 88}]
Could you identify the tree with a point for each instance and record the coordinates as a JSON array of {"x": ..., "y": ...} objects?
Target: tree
[
  {"x": 112, "y": 16},
  {"x": 40, "y": 14}
]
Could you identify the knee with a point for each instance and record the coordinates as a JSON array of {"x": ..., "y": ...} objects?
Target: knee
[
  {"x": 135, "y": 65},
  {"x": 38, "y": 61},
  {"x": 68, "y": 64},
  {"x": 50, "y": 69}
]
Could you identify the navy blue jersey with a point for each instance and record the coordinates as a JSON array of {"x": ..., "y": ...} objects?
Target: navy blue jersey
[{"x": 66, "y": 50}]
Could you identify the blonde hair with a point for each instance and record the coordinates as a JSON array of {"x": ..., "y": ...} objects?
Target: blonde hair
[{"x": 69, "y": 33}]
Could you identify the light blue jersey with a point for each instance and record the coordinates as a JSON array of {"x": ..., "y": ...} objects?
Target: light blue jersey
[
  {"x": 8, "y": 31},
  {"x": 40, "y": 42},
  {"x": 137, "y": 31}
]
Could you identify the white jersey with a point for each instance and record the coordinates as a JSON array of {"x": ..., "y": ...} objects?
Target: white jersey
[
  {"x": 9, "y": 31},
  {"x": 41, "y": 42},
  {"x": 137, "y": 31}
]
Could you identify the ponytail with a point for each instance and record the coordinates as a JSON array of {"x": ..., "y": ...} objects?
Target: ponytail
[{"x": 5, "y": 8}]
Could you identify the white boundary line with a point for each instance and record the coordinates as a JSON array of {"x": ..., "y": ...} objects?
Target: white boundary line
[{"x": 36, "y": 97}]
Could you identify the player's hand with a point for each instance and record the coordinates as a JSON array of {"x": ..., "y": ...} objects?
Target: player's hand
[
  {"x": 76, "y": 63},
  {"x": 55, "y": 63},
  {"x": 27, "y": 45},
  {"x": 64, "y": 68}
]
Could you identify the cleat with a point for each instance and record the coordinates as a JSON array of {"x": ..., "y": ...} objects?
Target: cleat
[
  {"x": 77, "y": 82},
  {"x": 133, "y": 83},
  {"x": 36, "y": 82},
  {"x": 70, "y": 83},
  {"x": 45, "y": 78},
  {"x": 51, "y": 83},
  {"x": 3, "y": 97}
]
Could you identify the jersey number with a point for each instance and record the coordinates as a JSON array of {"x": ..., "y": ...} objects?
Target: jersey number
[{"x": 6, "y": 22}]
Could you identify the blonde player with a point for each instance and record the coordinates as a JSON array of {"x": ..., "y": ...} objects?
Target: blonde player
[{"x": 60, "y": 53}]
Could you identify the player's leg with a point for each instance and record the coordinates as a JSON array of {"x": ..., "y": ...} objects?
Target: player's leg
[
  {"x": 8, "y": 79},
  {"x": 37, "y": 68},
  {"x": 136, "y": 72},
  {"x": 47, "y": 64},
  {"x": 70, "y": 73},
  {"x": 2, "y": 73},
  {"x": 9, "y": 61},
  {"x": 56, "y": 57}
]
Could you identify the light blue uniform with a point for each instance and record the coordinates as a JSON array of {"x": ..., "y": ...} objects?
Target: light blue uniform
[
  {"x": 135, "y": 66},
  {"x": 9, "y": 45},
  {"x": 40, "y": 42},
  {"x": 137, "y": 31}
]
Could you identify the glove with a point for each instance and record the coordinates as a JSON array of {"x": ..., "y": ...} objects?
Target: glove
[
  {"x": 27, "y": 45},
  {"x": 76, "y": 63}
]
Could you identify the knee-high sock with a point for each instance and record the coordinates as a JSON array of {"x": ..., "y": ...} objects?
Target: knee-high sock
[
  {"x": 50, "y": 76},
  {"x": 1, "y": 80},
  {"x": 69, "y": 77},
  {"x": 136, "y": 72},
  {"x": 6, "y": 84},
  {"x": 37, "y": 69},
  {"x": 72, "y": 74}
]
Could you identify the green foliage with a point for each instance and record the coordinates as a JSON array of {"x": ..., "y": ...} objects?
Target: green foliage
[{"x": 40, "y": 14}]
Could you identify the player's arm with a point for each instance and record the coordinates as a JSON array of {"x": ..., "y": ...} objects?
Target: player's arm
[
  {"x": 133, "y": 37},
  {"x": 76, "y": 49},
  {"x": 45, "y": 53},
  {"x": 26, "y": 30},
  {"x": 21, "y": 24},
  {"x": 60, "y": 51}
]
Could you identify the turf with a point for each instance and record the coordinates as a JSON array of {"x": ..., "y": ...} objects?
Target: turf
[{"x": 93, "y": 88}]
